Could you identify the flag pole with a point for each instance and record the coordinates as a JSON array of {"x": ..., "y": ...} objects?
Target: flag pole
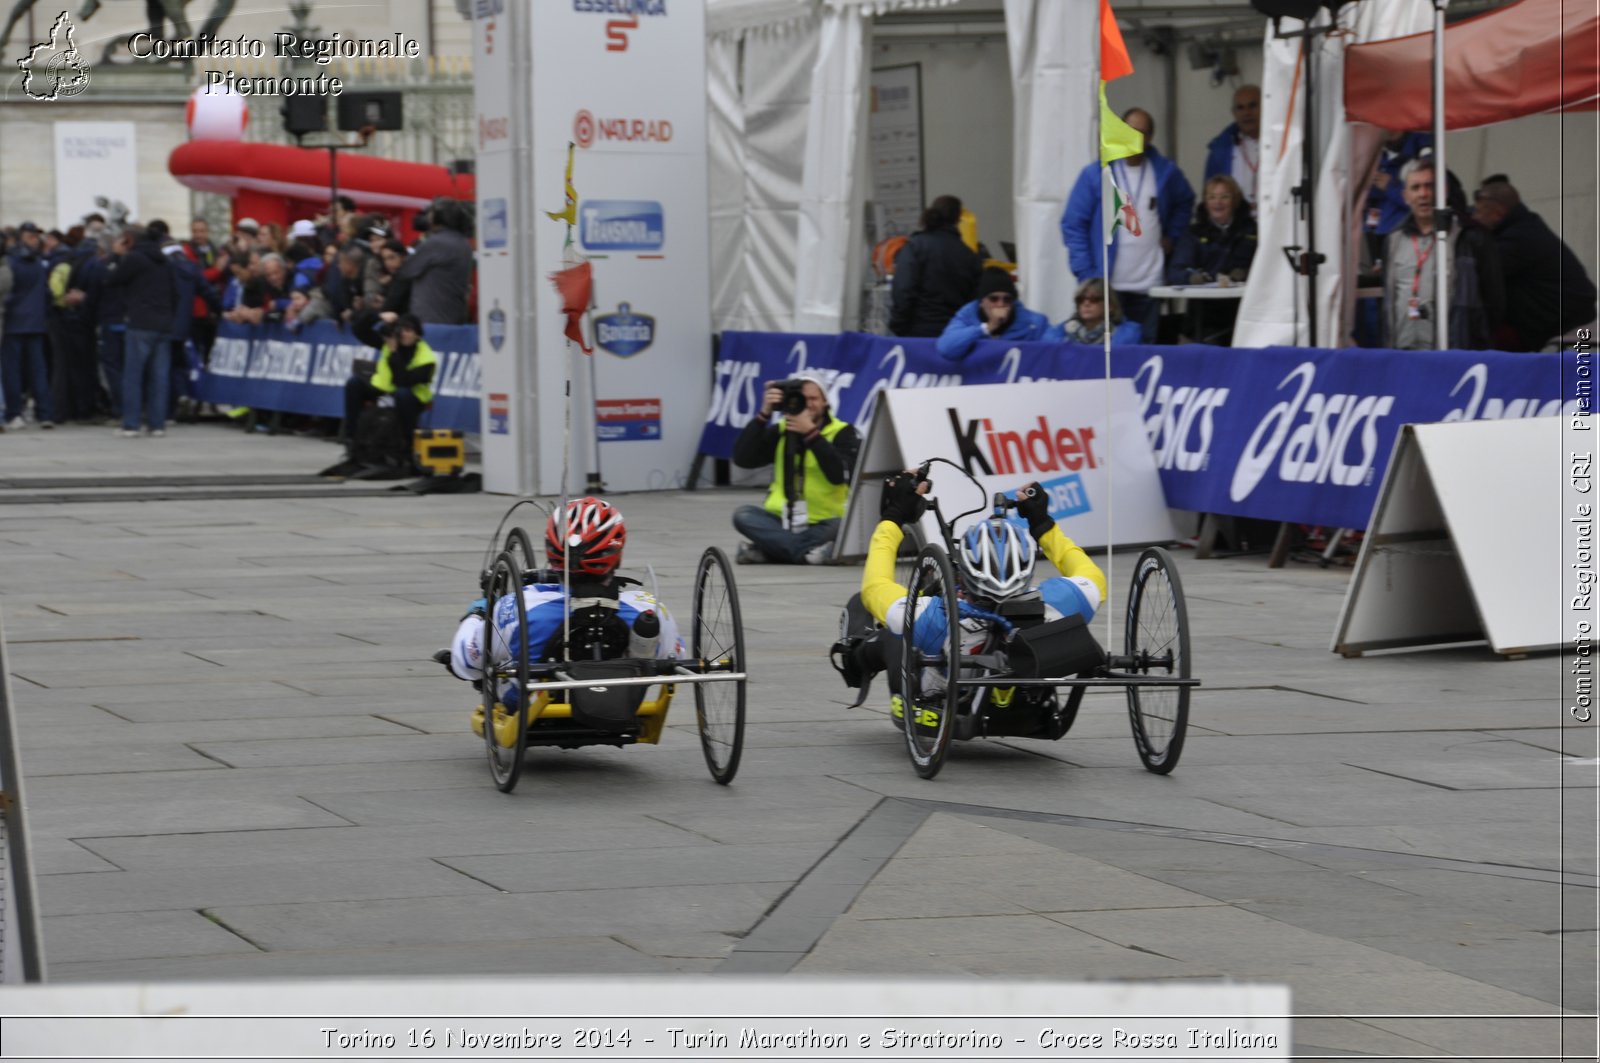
[{"x": 1105, "y": 335}]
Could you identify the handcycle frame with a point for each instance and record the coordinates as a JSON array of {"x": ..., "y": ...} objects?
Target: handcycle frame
[
  {"x": 1154, "y": 660},
  {"x": 717, "y": 656}
]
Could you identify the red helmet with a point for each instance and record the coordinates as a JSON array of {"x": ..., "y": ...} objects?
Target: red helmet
[{"x": 594, "y": 537}]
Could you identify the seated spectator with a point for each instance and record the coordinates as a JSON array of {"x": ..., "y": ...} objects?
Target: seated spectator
[
  {"x": 996, "y": 313},
  {"x": 812, "y": 453},
  {"x": 1236, "y": 151},
  {"x": 1477, "y": 296},
  {"x": 405, "y": 369},
  {"x": 1220, "y": 242},
  {"x": 934, "y": 273},
  {"x": 1547, "y": 292},
  {"x": 1088, "y": 325}
]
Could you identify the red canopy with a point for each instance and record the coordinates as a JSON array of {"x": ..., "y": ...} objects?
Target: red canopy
[{"x": 1530, "y": 57}]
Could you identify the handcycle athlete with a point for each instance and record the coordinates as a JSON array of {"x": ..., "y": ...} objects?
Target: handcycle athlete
[
  {"x": 591, "y": 549},
  {"x": 566, "y": 651},
  {"x": 995, "y": 560}
]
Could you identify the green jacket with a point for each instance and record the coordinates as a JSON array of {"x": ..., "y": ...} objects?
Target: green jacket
[
  {"x": 824, "y": 499},
  {"x": 422, "y": 358}
]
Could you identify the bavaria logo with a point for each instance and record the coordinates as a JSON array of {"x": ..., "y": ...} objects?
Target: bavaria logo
[
  {"x": 622, "y": 225},
  {"x": 497, "y": 326},
  {"x": 624, "y": 333}
]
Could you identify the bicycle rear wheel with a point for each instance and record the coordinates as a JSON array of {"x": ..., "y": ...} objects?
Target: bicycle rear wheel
[
  {"x": 718, "y": 642},
  {"x": 929, "y": 661},
  {"x": 505, "y": 638},
  {"x": 1157, "y": 643}
]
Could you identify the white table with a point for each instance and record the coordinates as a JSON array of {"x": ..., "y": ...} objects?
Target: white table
[{"x": 1197, "y": 291}]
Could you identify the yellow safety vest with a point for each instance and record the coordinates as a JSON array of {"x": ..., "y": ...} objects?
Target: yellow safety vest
[
  {"x": 383, "y": 376},
  {"x": 824, "y": 500}
]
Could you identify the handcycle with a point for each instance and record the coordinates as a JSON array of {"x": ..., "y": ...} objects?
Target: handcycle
[
  {"x": 1010, "y": 682},
  {"x": 580, "y": 688}
]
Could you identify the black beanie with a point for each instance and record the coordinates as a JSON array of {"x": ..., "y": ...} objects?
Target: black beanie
[{"x": 996, "y": 280}]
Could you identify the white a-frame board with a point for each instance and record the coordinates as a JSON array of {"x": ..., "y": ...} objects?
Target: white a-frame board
[{"x": 1465, "y": 541}]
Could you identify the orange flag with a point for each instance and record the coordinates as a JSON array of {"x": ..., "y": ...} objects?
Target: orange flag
[
  {"x": 1114, "y": 61},
  {"x": 576, "y": 286}
]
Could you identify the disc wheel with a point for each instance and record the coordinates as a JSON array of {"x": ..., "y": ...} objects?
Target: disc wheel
[
  {"x": 931, "y": 653},
  {"x": 718, "y": 643},
  {"x": 1157, "y": 643},
  {"x": 505, "y": 638}
]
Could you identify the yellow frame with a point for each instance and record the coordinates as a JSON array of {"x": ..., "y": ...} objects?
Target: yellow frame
[{"x": 653, "y": 715}]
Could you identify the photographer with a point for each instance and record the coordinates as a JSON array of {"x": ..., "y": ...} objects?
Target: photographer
[
  {"x": 404, "y": 371},
  {"x": 812, "y": 454}
]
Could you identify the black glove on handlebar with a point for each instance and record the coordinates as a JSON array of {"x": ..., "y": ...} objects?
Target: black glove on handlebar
[
  {"x": 901, "y": 503},
  {"x": 1035, "y": 509}
]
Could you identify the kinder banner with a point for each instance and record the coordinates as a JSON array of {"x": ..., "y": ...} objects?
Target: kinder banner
[
  {"x": 1280, "y": 433},
  {"x": 1092, "y": 462},
  {"x": 271, "y": 367}
]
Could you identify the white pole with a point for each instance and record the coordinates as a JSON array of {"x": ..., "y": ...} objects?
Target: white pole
[
  {"x": 1105, "y": 326},
  {"x": 1441, "y": 190}
]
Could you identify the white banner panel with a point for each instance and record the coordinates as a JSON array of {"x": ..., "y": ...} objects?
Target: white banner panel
[
  {"x": 505, "y": 318},
  {"x": 1458, "y": 501},
  {"x": 94, "y": 159},
  {"x": 894, "y": 129},
  {"x": 1097, "y": 469},
  {"x": 684, "y": 1019},
  {"x": 627, "y": 85}
]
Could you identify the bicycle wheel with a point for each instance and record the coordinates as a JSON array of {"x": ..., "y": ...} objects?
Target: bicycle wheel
[
  {"x": 718, "y": 643},
  {"x": 505, "y": 730},
  {"x": 520, "y": 547},
  {"x": 1157, "y": 643},
  {"x": 931, "y": 654}
]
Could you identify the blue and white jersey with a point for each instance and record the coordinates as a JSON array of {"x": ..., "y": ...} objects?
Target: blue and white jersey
[
  {"x": 543, "y": 603},
  {"x": 1062, "y": 595}
]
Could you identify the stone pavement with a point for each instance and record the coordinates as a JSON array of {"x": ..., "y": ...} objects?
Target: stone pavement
[{"x": 240, "y": 763}]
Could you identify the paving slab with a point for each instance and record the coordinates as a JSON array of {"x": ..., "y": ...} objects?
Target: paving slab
[{"x": 228, "y": 709}]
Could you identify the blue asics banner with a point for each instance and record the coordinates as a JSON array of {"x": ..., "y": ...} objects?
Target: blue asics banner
[
  {"x": 1280, "y": 433},
  {"x": 271, "y": 367}
]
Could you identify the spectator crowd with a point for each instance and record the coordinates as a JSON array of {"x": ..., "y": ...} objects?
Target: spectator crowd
[
  {"x": 112, "y": 322},
  {"x": 1513, "y": 284}
]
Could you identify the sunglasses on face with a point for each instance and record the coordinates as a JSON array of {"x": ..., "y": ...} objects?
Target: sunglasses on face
[
  {"x": 1001, "y": 298},
  {"x": 1089, "y": 299}
]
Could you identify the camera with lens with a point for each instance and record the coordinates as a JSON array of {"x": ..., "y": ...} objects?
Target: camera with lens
[{"x": 794, "y": 397}]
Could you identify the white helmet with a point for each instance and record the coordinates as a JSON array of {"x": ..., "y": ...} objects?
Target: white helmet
[{"x": 996, "y": 558}]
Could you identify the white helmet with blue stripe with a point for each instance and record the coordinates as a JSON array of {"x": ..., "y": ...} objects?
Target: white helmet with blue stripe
[{"x": 996, "y": 558}]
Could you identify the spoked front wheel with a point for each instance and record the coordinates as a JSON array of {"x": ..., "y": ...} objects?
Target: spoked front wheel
[
  {"x": 930, "y": 660},
  {"x": 718, "y": 644},
  {"x": 1157, "y": 643},
  {"x": 505, "y": 656}
]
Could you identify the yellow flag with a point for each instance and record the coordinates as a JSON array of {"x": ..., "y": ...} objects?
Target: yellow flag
[
  {"x": 569, "y": 214},
  {"x": 1118, "y": 139}
]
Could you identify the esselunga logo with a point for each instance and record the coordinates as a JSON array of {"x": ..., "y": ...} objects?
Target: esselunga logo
[
  {"x": 621, "y": 225},
  {"x": 624, "y": 333},
  {"x": 55, "y": 69},
  {"x": 1314, "y": 451},
  {"x": 622, "y": 17}
]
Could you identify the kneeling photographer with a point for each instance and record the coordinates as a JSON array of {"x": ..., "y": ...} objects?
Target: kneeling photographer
[{"x": 812, "y": 454}]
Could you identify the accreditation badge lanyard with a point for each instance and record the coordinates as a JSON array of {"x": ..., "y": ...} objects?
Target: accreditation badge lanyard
[
  {"x": 1414, "y": 306},
  {"x": 1253, "y": 164},
  {"x": 1144, "y": 175}
]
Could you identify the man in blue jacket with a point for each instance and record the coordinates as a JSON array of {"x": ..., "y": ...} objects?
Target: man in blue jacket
[
  {"x": 24, "y": 361},
  {"x": 996, "y": 314},
  {"x": 1162, "y": 202},
  {"x": 1236, "y": 151}
]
